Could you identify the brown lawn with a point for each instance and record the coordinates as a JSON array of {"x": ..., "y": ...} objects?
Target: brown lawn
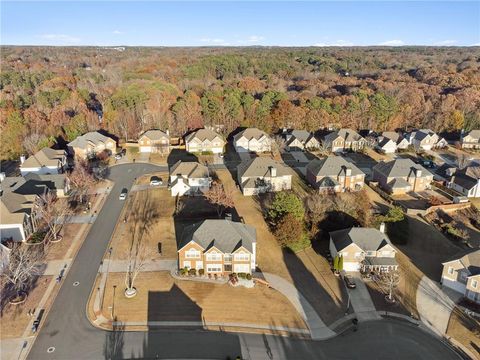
[
  {"x": 466, "y": 330},
  {"x": 145, "y": 179},
  {"x": 58, "y": 251},
  {"x": 161, "y": 298}
]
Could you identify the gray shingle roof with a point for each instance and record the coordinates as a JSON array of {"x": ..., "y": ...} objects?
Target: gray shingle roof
[
  {"x": 189, "y": 169},
  {"x": 203, "y": 134},
  {"x": 400, "y": 168},
  {"x": 385, "y": 142},
  {"x": 368, "y": 239},
  {"x": 225, "y": 235},
  {"x": 33, "y": 184},
  {"x": 475, "y": 134},
  {"x": 301, "y": 135},
  {"x": 470, "y": 260},
  {"x": 399, "y": 183},
  {"x": 392, "y": 135},
  {"x": 44, "y": 157},
  {"x": 94, "y": 136},
  {"x": 332, "y": 166},
  {"x": 261, "y": 167},
  {"x": 155, "y": 135},
  {"x": 423, "y": 133},
  {"x": 250, "y": 133},
  {"x": 346, "y": 134}
]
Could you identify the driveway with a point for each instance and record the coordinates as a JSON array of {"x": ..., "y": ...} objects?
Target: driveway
[{"x": 361, "y": 301}]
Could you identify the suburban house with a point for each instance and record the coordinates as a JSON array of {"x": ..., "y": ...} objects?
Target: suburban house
[
  {"x": 471, "y": 140},
  {"x": 219, "y": 247},
  {"x": 363, "y": 249},
  {"x": 334, "y": 174},
  {"x": 154, "y": 141},
  {"x": 300, "y": 140},
  {"x": 90, "y": 144},
  {"x": 204, "y": 140},
  {"x": 189, "y": 178},
  {"x": 425, "y": 139},
  {"x": 260, "y": 175},
  {"x": 466, "y": 181},
  {"x": 344, "y": 139},
  {"x": 400, "y": 176},
  {"x": 34, "y": 184},
  {"x": 386, "y": 146},
  {"x": 45, "y": 161},
  {"x": 401, "y": 142},
  {"x": 252, "y": 140},
  {"x": 462, "y": 274}
]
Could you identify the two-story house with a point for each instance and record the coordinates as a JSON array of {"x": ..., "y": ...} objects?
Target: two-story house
[
  {"x": 252, "y": 140},
  {"x": 45, "y": 161},
  {"x": 343, "y": 140},
  {"x": 204, "y": 140},
  {"x": 466, "y": 181},
  {"x": 219, "y": 247},
  {"x": 364, "y": 249},
  {"x": 154, "y": 141},
  {"x": 334, "y": 174},
  {"x": 400, "y": 176},
  {"x": 300, "y": 140},
  {"x": 471, "y": 140},
  {"x": 462, "y": 274},
  {"x": 189, "y": 178},
  {"x": 425, "y": 139},
  {"x": 401, "y": 143},
  {"x": 260, "y": 175},
  {"x": 91, "y": 144}
]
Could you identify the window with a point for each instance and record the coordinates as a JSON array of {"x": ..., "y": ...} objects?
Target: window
[
  {"x": 212, "y": 268},
  {"x": 187, "y": 264},
  {"x": 192, "y": 254},
  {"x": 242, "y": 257},
  {"x": 241, "y": 268},
  {"x": 214, "y": 257},
  {"x": 474, "y": 284},
  {"x": 450, "y": 270},
  {"x": 199, "y": 265},
  {"x": 358, "y": 255},
  {"x": 227, "y": 257},
  {"x": 370, "y": 253}
]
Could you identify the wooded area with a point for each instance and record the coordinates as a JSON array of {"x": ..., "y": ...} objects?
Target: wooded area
[{"x": 50, "y": 92}]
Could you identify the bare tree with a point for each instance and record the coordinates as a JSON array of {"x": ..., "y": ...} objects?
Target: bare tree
[
  {"x": 278, "y": 145},
  {"x": 54, "y": 212},
  {"x": 23, "y": 266},
  {"x": 219, "y": 196},
  {"x": 136, "y": 259},
  {"x": 462, "y": 161},
  {"x": 317, "y": 206},
  {"x": 387, "y": 281},
  {"x": 31, "y": 141},
  {"x": 81, "y": 180}
]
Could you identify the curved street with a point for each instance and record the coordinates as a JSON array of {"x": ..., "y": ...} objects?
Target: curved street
[{"x": 69, "y": 332}]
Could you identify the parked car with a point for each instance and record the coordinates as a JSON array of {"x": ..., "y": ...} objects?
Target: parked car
[
  {"x": 123, "y": 194},
  {"x": 118, "y": 156},
  {"x": 156, "y": 181},
  {"x": 349, "y": 282}
]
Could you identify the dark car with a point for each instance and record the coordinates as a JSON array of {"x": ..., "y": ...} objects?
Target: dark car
[{"x": 349, "y": 282}]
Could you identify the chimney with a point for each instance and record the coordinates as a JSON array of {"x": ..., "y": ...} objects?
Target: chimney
[
  {"x": 418, "y": 173},
  {"x": 382, "y": 227},
  {"x": 22, "y": 159},
  {"x": 273, "y": 171},
  {"x": 348, "y": 171},
  {"x": 167, "y": 132}
]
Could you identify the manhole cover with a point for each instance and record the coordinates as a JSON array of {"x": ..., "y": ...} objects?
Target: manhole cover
[
  {"x": 76, "y": 283},
  {"x": 50, "y": 349}
]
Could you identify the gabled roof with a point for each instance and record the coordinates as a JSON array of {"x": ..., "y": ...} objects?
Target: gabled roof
[
  {"x": 346, "y": 134},
  {"x": 189, "y": 169},
  {"x": 155, "y": 135},
  {"x": 400, "y": 168},
  {"x": 225, "y": 235},
  {"x": 475, "y": 134},
  {"x": 399, "y": 183},
  {"x": 470, "y": 261},
  {"x": 386, "y": 141},
  {"x": 250, "y": 133},
  {"x": 423, "y": 133},
  {"x": 33, "y": 184},
  {"x": 303, "y": 136},
  {"x": 91, "y": 137},
  {"x": 261, "y": 167},
  {"x": 202, "y": 135},
  {"x": 392, "y": 135},
  {"x": 367, "y": 239},
  {"x": 467, "y": 178},
  {"x": 332, "y": 166},
  {"x": 44, "y": 157}
]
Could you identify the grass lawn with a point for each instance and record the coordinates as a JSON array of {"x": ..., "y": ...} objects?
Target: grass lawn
[
  {"x": 145, "y": 179},
  {"x": 58, "y": 251},
  {"x": 161, "y": 298},
  {"x": 466, "y": 330},
  {"x": 149, "y": 211}
]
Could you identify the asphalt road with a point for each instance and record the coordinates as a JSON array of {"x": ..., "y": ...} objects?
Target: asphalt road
[{"x": 68, "y": 330}]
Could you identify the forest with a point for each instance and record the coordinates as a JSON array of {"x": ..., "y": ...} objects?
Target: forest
[{"x": 52, "y": 93}]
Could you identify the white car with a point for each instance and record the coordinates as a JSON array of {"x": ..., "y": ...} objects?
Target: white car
[
  {"x": 156, "y": 182},
  {"x": 123, "y": 194}
]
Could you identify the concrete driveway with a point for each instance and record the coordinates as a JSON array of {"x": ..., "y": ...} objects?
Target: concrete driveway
[{"x": 361, "y": 301}]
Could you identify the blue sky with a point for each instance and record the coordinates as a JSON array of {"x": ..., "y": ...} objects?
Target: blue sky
[{"x": 240, "y": 23}]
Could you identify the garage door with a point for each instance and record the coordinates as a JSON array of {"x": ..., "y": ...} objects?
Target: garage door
[
  {"x": 145, "y": 149},
  {"x": 241, "y": 268},
  {"x": 351, "y": 266}
]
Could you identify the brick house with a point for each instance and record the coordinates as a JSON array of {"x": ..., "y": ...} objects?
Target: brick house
[
  {"x": 219, "y": 247},
  {"x": 344, "y": 139}
]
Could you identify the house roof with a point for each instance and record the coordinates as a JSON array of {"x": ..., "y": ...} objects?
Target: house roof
[
  {"x": 332, "y": 166},
  {"x": 13, "y": 207},
  {"x": 33, "y": 184},
  {"x": 399, "y": 183},
  {"x": 225, "y": 235},
  {"x": 475, "y": 134},
  {"x": 381, "y": 261},
  {"x": 250, "y": 133},
  {"x": 386, "y": 141},
  {"x": 189, "y": 169},
  {"x": 45, "y": 157},
  {"x": 261, "y": 167},
  {"x": 464, "y": 181},
  {"x": 202, "y": 135},
  {"x": 327, "y": 182},
  {"x": 368, "y": 239},
  {"x": 155, "y": 135},
  {"x": 423, "y": 133},
  {"x": 301, "y": 135},
  {"x": 346, "y": 134},
  {"x": 400, "y": 168},
  {"x": 470, "y": 261},
  {"x": 392, "y": 135},
  {"x": 91, "y": 137}
]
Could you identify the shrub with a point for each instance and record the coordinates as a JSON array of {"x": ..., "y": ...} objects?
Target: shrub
[
  {"x": 248, "y": 276},
  {"x": 192, "y": 272},
  {"x": 201, "y": 272},
  {"x": 37, "y": 237},
  {"x": 286, "y": 203},
  {"x": 242, "y": 275}
]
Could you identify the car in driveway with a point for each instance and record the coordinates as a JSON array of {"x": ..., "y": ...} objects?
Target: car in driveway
[
  {"x": 123, "y": 194},
  {"x": 349, "y": 281},
  {"x": 118, "y": 156},
  {"x": 156, "y": 181}
]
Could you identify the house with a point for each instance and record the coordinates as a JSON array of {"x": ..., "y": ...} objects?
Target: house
[
  {"x": 252, "y": 140},
  {"x": 334, "y": 174},
  {"x": 425, "y": 139},
  {"x": 18, "y": 220},
  {"x": 154, "y": 141},
  {"x": 462, "y": 274},
  {"x": 219, "y": 247},
  {"x": 344, "y": 139},
  {"x": 386, "y": 146},
  {"x": 45, "y": 161},
  {"x": 466, "y": 181},
  {"x": 189, "y": 178},
  {"x": 364, "y": 249},
  {"x": 401, "y": 142},
  {"x": 471, "y": 140},
  {"x": 204, "y": 140},
  {"x": 400, "y": 176},
  {"x": 34, "y": 184},
  {"x": 260, "y": 175},
  {"x": 300, "y": 140},
  {"x": 91, "y": 144},
  {"x": 4, "y": 258}
]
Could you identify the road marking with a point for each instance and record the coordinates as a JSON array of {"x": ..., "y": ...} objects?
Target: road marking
[
  {"x": 51, "y": 349},
  {"x": 76, "y": 283}
]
